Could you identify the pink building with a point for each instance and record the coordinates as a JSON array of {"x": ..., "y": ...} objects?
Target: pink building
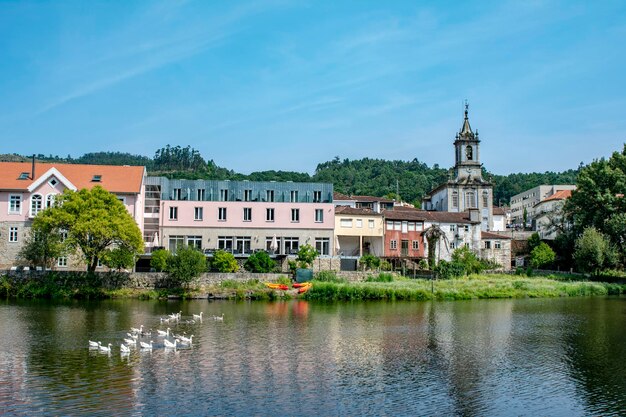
[{"x": 29, "y": 187}]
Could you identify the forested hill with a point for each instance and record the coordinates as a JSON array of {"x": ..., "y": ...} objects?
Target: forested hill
[{"x": 377, "y": 177}]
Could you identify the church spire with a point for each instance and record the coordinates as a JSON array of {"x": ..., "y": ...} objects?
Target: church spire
[{"x": 466, "y": 130}]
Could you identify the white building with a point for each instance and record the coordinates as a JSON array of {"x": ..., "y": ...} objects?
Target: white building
[{"x": 527, "y": 201}]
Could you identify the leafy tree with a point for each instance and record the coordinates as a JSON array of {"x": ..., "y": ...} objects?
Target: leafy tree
[
  {"x": 306, "y": 256},
  {"x": 224, "y": 262},
  {"x": 533, "y": 241},
  {"x": 593, "y": 251},
  {"x": 186, "y": 264},
  {"x": 448, "y": 270},
  {"x": 159, "y": 258},
  {"x": 599, "y": 201},
  {"x": 42, "y": 247},
  {"x": 260, "y": 262},
  {"x": 119, "y": 258},
  {"x": 541, "y": 255},
  {"x": 370, "y": 261},
  {"x": 468, "y": 260},
  {"x": 95, "y": 222}
]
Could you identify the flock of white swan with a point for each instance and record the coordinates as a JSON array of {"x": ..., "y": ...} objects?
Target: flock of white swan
[{"x": 135, "y": 336}]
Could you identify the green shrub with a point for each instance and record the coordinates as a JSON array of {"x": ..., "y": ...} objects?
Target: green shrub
[
  {"x": 382, "y": 277},
  {"x": 541, "y": 255},
  {"x": 328, "y": 276},
  {"x": 260, "y": 262},
  {"x": 224, "y": 262},
  {"x": 306, "y": 256},
  {"x": 447, "y": 270},
  {"x": 386, "y": 266},
  {"x": 159, "y": 258},
  {"x": 187, "y": 264},
  {"x": 370, "y": 261}
]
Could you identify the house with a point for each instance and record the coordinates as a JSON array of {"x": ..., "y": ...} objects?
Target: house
[
  {"x": 375, "y": 204},
  {"x": 26, "y": 188},
  {"x": 526, "y": 201},
  {"x": 240, "y": 217},
  {"x": 548, "y": 215},
  {"x": 358, "y": 231},
  {"x": 403, "y": 236}
]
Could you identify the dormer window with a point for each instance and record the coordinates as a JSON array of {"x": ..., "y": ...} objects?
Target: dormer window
[
  {"x": 24, "y": 176},
  {"x": 97, "y": 178}
]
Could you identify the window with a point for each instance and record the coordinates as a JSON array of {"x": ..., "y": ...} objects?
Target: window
[
  {"x": 53, "y": 182},
  {"x": 452, "y": 227},
  {"x": 466, "y": 228},
  {"x": 50, "y": 200},
  {"x": 485, "y": 199},
  {"x": 497, "y": 244},
  {"x": 177, "y": 194},
  {"x": 122, "y": 199},
  {"x": 225, "y": 243},
  {"x": 317, "y": 196},
  {"x": 455, "y": 199},
  {"x": 452, "y": 245},
  {"x": 405, "y": 227},
  {"x": 12, "y": 234},
  {"x": 200, "y": 194},
  {"x": 269, "y": 195},
  {"x": 268, "y": 245},
  {"x": 295, "y": 215},
  {"x": 322, "y": 245},
  {"x": 99, "y": 263},
  {"x": 269, "y": 215},
  {"x": 291, "y": 245},
  {"x": 345, "y": 222},
  {"x": 319, "y": 215},
  {"x": 393, "y": 244},
  {"x": 247, "y": 214},
  {"x": 15, "y": 204},
  {"x": 194, "y": 242},
  {"x": 36, "y": 204},
  {"x": 221, "y": 214},
  {"x": 411, "y": 226},
  {"x": 389, "y": 225},
  {"x": 223, "y": 195},
  {"x": 97, "y": 178},
  {"x": 404, "y": 248},
  {"x": 247, "y": 195},
  {"x": 243, "y": 244},
  {"x": 416, "y": 245},
  {"x": 173, "y": 213},
  {"x": 293, "y": 196},
  {"x": 370, "y": 223},
  {"x": 198, "y": 213},
  {"x": 62, "y": 261},
  {"x": 487, "y": 244},
  {"x": 470, "y": 200},
  {"x": 63, "y": 234},
  {"x": 24, "y": 176},
  {"x": 359, "y": 223},
  {"x": 176, "y": 242},
  {"x": 397, "y": 225}
]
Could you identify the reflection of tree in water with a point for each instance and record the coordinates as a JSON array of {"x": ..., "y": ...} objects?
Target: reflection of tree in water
[{"x": 597, "y": 352}]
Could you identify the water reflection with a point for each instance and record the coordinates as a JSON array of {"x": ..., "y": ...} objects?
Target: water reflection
[{"x": 495, "y": 357}]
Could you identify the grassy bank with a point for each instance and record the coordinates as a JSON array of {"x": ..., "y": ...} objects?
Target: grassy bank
[
  {"x": 472, "y": 287},
  {"x": 381, "y": 287}
]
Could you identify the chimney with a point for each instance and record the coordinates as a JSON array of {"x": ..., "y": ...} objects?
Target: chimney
[{"x": 32, "y": 171}]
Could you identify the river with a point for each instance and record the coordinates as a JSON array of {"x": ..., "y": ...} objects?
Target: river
[{"x": 483, "y": 357}]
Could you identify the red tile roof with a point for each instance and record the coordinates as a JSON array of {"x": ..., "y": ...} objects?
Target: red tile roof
[
  {"x": 491, "y": 235},
  {"x": 354, "y": 211},
  {"x": 408, "y": 213},
  {"x": 118, "y": 179},
  {"x": 560, "y": 195},
  {"x": 499, "y": 211},
  {"x": 339, "y": 196}
]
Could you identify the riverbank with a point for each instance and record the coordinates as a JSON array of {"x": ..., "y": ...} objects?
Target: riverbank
[{"x": 378, "y": 287}]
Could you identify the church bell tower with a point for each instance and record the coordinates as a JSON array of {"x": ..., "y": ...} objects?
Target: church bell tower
[{"x": 467, "y": 162}]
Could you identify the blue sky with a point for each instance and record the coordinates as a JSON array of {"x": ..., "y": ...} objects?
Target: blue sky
[{"x": 287, "y": 84}]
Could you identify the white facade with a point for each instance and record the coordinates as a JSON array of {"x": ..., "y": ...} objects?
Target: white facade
[{"x": 529, "y": 199}]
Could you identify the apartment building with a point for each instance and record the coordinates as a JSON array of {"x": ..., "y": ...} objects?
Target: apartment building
[{"x": 527, "y": 200}]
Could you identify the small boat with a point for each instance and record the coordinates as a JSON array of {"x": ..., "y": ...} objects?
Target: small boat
[
  {"x": 301, "y": 284},
  {"x": 305, "y": 288},
  {"x": 277, "y": 286}
]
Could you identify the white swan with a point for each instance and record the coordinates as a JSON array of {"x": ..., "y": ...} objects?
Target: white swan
[
  {"x": 164, "y": 334},
  {"x": 198, "y": 316},
  {"x": 169, "y": 344},
  {"x": 137, "y": 330},
  {"x": 105, "y": 349},
  {"x": 185, "y": 340},
  {"x": 220, "y": 318},
  {"x": 124, "y": 348},
  {"x": 130, "y": 341},
  {"x": 145, "y": 345},
  {"x": 94, "y": 345}
]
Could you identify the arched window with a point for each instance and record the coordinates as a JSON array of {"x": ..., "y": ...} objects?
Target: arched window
[
  {"x": 50, "y": 200},
  {"x": 469, "y": 152},
  {"x": 36, "y": 204}
]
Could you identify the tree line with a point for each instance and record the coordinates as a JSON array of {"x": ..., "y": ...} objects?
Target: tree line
[{"x": 403, "y": 180}]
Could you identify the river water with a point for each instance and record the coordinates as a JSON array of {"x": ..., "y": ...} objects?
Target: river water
[{"x": 485, "y": 357}]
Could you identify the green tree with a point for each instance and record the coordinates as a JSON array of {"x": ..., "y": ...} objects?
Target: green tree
[
  {"x": 592, "y": 251},
  {"x": 370, "y": 261},
  {"x": 159, "y": 258},
  {"x": 541, "y": 255},
  {"x": 42, "y": 247},
  {"x": 306, "y": 256},
  {"x": 468, "y": 260},
  {"x": 119, "y": 258},
  {"x": 599, "y": 201},
  {"x": 260, "y": 262},
  {"x": 224, "y": 262},
  {"x": 533, "y": 241},
  {"x": 95, "y": 222},
  {"x": 186, "y": 264}
]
